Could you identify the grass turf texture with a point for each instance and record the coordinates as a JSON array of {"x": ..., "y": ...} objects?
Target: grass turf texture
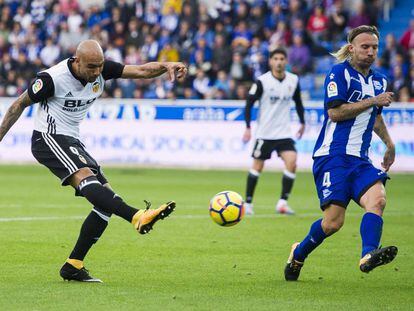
[{"x": 188, "y": 262}]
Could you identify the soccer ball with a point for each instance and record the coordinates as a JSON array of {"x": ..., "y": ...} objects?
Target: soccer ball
[{"x": 227, "y": 208}]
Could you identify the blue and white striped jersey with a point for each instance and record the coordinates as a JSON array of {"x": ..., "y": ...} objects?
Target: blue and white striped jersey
[{"x": 344, "y": 84}]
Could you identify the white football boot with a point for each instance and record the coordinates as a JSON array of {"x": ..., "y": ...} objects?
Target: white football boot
[
  {"x": 282, "y": 207},
  {"x": 248, "y": 209}
]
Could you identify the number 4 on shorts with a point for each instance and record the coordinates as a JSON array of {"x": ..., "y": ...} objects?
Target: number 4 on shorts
[{"x": 326, "y": 180}]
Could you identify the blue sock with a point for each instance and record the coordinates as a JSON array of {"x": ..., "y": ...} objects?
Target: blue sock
[
  {"x": 371, "y": 230},
  {"x": 310, "y": 242}
]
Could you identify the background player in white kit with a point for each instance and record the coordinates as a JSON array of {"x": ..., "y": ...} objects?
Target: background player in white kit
[
  {"x": 274, "y": 90},
  {"x": 65, "y": 93}
]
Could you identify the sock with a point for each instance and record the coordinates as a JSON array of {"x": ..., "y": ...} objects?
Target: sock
[
  {"x": 314, "y": 238},
  {"x": 78, "y": 264},
  {"x": 287, "y": 183},
  {"x": 251, "y": 184},
  {"x": 371, "y": 230},
  {"x": 105, "y": 198},
  {"x": 91, "y": 230}
]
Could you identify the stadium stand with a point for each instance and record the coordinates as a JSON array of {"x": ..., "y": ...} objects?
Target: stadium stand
[{"x": 224, "y": 42}]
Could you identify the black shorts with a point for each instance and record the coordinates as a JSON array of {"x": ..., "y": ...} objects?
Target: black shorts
[
  {"x": 63, "y": 156},
  {"x": 263, "y": 148}
]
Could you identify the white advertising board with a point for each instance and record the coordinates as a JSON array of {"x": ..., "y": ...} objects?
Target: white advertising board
[{"x": 192, "y": 134}]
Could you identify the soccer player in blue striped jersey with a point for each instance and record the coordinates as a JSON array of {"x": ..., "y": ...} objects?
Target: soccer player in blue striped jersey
[{"x": 354, "y": 98}]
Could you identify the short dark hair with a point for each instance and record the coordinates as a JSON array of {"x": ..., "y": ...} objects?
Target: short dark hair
[{"x": 278, "y": 51}]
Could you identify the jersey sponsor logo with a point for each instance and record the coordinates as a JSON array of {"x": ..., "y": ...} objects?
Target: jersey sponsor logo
[
  {"x": 37, "y": 86},
  {"x": 274, "y": 99},
  {"x": 280, "y": 100},
  {"x": 377, "y": 85},
  {"x": 332, "y": 89},
  {"x": 96, "y": 86},
  {"x": 74, "y": 105}
]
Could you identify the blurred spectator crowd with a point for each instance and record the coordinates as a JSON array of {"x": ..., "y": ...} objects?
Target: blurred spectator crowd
[
  {"x": 224, "y": 42},
  {"x": 397, "y": 63}
]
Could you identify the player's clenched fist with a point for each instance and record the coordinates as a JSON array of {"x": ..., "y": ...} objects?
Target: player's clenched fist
[
  {"x": 176, "y": 70},
  {"x": 384, "y": 99}
]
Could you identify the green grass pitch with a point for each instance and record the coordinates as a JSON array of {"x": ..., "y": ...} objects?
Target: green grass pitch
[{"x": 188, "y": 262}]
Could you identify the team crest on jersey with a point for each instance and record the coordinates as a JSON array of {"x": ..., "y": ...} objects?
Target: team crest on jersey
[
  {"x": 82, "y": 158},
  {"x": 37, "y": 86},
  {"x": 377, "y": 85},
  {"x": 332, "y": 89},
  {"x": 96, "y": 86},
  {"x": 75, "y": 151}
]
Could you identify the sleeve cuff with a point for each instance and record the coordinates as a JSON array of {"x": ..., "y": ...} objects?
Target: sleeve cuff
[{"x": 335, "y": 103}]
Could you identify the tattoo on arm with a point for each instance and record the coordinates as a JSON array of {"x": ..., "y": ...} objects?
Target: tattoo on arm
[
  {"x": 349, "y": 111},
  {"x": 13, "y": 113},
  {"x": 145, "y": 71},
  {"x": 381, "y": 130}
]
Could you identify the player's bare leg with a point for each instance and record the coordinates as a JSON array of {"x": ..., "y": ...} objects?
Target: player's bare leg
[
  {"x": 373, "y": 201},
  {"x": 106, "y": 203},
  {"x": 332, "y": 221},
  {"x": 252, "y": 179},
  {"x": 289, "y": 174}
]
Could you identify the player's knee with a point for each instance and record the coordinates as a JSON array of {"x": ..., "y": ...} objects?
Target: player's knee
[
  {"x": 381, "y": 202},
  {"x": 291, "y": 167},
  {"x": 332, "y": 226},
  {"x": 378, "y": 205},
  {"x": 258, "y": 166},
  {"x": 79, "y": 176}
]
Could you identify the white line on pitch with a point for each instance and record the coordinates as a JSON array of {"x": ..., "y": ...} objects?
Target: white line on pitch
[
  {"x": 303, "y": 215},
  {"x": 46, "y": 205},
  {"x": 40, "y": 218}
]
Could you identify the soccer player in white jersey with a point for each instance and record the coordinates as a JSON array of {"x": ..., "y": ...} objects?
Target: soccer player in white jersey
[
  {"x": 65, "y": 92},
  {"x": 274, "y": 90},
  {"x": 354, "y": 98}
]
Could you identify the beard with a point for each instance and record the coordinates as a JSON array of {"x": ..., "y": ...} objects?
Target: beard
[{"x": 366, "y": 63}]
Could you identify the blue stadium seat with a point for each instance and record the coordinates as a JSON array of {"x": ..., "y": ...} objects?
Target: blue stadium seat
[
  {"x": 317, "y": 94},
  {"x": 306, "y": 82},
  {"x": 323, "y": 64}
]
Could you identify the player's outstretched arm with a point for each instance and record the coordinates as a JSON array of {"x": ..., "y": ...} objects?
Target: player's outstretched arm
[
  {"x": 344, "y": 111},
  {"x": 13, "y": 113},
  {"x": 381, "y": 130},
  {"x": 176, "y": 70}
]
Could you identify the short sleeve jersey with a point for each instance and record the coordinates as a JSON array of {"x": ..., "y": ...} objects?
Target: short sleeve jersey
[
  {"x": 344, "y": 85},
  {"x": 65, "y": 99},
  {"x": 275, "y": 97}
]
